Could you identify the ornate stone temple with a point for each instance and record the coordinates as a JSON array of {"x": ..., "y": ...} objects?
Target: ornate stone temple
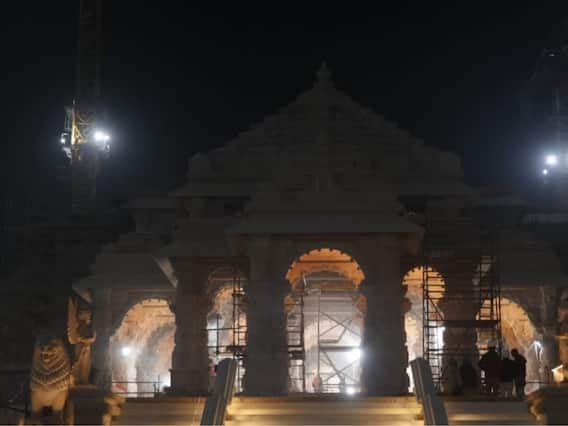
[{"x": 302, "y": 248}]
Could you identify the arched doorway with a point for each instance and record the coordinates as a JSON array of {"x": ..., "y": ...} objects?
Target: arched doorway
[
  {"x": 518, "y": 332},
  {"x": 226, "y": 321},
  {"x": 325, "y": 314},
  {"x": 413, "y": 318},
  {"x": 141, "y": 349}
]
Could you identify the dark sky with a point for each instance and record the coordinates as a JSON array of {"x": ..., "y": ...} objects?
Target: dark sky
[{"x": 178, "y": 79}]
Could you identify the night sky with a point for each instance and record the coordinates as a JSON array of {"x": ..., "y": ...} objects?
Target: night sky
[{"x": 179, "y": 79}]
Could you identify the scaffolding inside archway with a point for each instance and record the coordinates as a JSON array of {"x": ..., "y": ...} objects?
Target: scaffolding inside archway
[
  {"x": 453, "y": 246},
  {"x": 325, "y": 325},
  {"x": 227, "y": 325}
]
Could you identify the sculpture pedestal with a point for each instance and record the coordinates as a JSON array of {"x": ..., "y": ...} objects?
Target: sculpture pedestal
[
  {"x": 548, "y": 404},
  {"x": 91, "y": 405}
]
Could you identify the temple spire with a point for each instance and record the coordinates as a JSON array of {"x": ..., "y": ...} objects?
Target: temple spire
[{"x": 324, "y": 76}]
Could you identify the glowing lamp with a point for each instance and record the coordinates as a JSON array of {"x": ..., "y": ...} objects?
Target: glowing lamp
[
  {"x": 125, "y": 351},
  {"x": 350, "y": 391},
  {"x": 551, "y": 160},
  {"x": 354, "y": 354},
  {"x": 101, "y": 136},
  {"x": 544, "y": 172}
]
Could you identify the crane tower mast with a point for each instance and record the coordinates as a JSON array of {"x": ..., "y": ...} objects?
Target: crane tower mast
[{"x": 84, "y": 139}]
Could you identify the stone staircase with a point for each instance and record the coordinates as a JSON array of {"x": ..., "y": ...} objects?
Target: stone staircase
[
  {"x": 161, "y": 411},
  {"x": 321, "y": 410},
  {"x": 487, "y": 412}
]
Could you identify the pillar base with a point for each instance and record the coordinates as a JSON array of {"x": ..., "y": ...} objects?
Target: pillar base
[
  {"x": 92, "y": 406},
  {"x": 265, "y": 378},
  {"x": 186, "y": 382},
  {"x": 548, "y": 404}
]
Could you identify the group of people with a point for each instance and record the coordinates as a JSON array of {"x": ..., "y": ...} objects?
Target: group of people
[{"x": 501, "y": 375}]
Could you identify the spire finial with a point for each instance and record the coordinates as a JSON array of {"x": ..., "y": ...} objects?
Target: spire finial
[{"x": 324, "y": 74}]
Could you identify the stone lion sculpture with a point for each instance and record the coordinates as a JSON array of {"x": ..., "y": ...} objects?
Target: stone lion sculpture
[{"x": 49, "y": 378}]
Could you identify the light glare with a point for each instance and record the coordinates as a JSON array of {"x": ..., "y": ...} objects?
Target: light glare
[
  {"x": 125, "y": 351},
  {"x": 101, "y": 136},
  {"x": 551, "y": 160},
  {"x": 354, "y": 354},
  {"x": 545, "y": 172},
  {"x": 350, "y": 391}
]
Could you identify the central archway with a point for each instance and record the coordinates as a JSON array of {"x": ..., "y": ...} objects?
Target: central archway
[
  {"x": 325, "y": 322},
  {"x": 141, "y": 349}
]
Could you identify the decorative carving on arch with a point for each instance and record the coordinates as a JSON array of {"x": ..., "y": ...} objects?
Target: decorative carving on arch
[
  {"x": 222, "y": 277},
  {"x": 325, "y": 259},
  {"x": 136, "y": 300}
]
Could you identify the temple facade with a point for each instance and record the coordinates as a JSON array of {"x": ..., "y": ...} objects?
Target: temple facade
[{"x": 302, "y": 247}]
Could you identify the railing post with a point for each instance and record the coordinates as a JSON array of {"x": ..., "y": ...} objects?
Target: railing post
[
  {"x": 432, "y": 405},
  {"x": 216, "y": 405}
]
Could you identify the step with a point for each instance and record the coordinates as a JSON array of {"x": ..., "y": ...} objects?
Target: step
[
  {"x": 501, "y": 412},
  {"x": 323, "y": 409},
  {"x": 161, "y": 411}
]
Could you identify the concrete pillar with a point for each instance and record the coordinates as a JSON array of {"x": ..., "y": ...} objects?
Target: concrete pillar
[
  {"x": 384, "y": 351},
  {"x": 102, "y": 322},
  {"x": 190, "y": 359},
  {"x": 266, "y": 359}
]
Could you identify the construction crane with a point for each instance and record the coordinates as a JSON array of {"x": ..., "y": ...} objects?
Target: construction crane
[
  {"x": 84, "y": 139},
  {"x": 546, "y": 99}
]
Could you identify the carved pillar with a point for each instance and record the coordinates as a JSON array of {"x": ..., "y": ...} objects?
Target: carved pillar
[
  {"x": 190, "y": 360},
  {"x": 102, "y": 322},
  {"x": 384, "y": 352},
  {"x": 267, "y": 348},
  {"x": 549, "y": 354}
]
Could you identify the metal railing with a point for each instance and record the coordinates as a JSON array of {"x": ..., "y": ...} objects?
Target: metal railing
[
  {"x": 19, "y": 400},
  {"x": 116, "y": 388},
  {"x": 432, "y": 405},
  {"x": 216, "y": 405}
]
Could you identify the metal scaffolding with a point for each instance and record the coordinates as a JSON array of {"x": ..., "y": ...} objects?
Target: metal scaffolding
[
  {"x": 295, "y": 333},
  {"x": 455, "y": 246},
  {"x": 334, "y": 337},
  {"x": 230, "y": 334}
]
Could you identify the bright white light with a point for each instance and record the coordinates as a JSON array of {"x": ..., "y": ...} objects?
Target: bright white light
[
  {"x": 537, "y": 344},
  {"x": 354, "y": 354},
  {"x": 101, "y": 136},
  {"x": 62, "y": 140},
  {"x": 544, "y": 172},
  {"x": 125, "y": 351},
  {"x": 551, "y": 160},
  {"x": 350, "y": 391}
]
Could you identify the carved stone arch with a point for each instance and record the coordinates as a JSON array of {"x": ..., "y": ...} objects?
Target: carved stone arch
[
  {"x": 293, "y": 250},
  {"x": 520, "y": 299},
  {"x": 136, "y": 300},
  {"x": 215, "y": 274},
  {"x": 325, "y": 259}
]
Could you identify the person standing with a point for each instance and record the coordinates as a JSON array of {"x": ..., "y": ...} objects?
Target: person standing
[
  {"x": 507, "y": 375},
  {"x": 490, "y": 364},
  {"x": 469, "y": 377},
  {"x": 453, "y": 379},
  {"x": 520, "y": 373}
]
